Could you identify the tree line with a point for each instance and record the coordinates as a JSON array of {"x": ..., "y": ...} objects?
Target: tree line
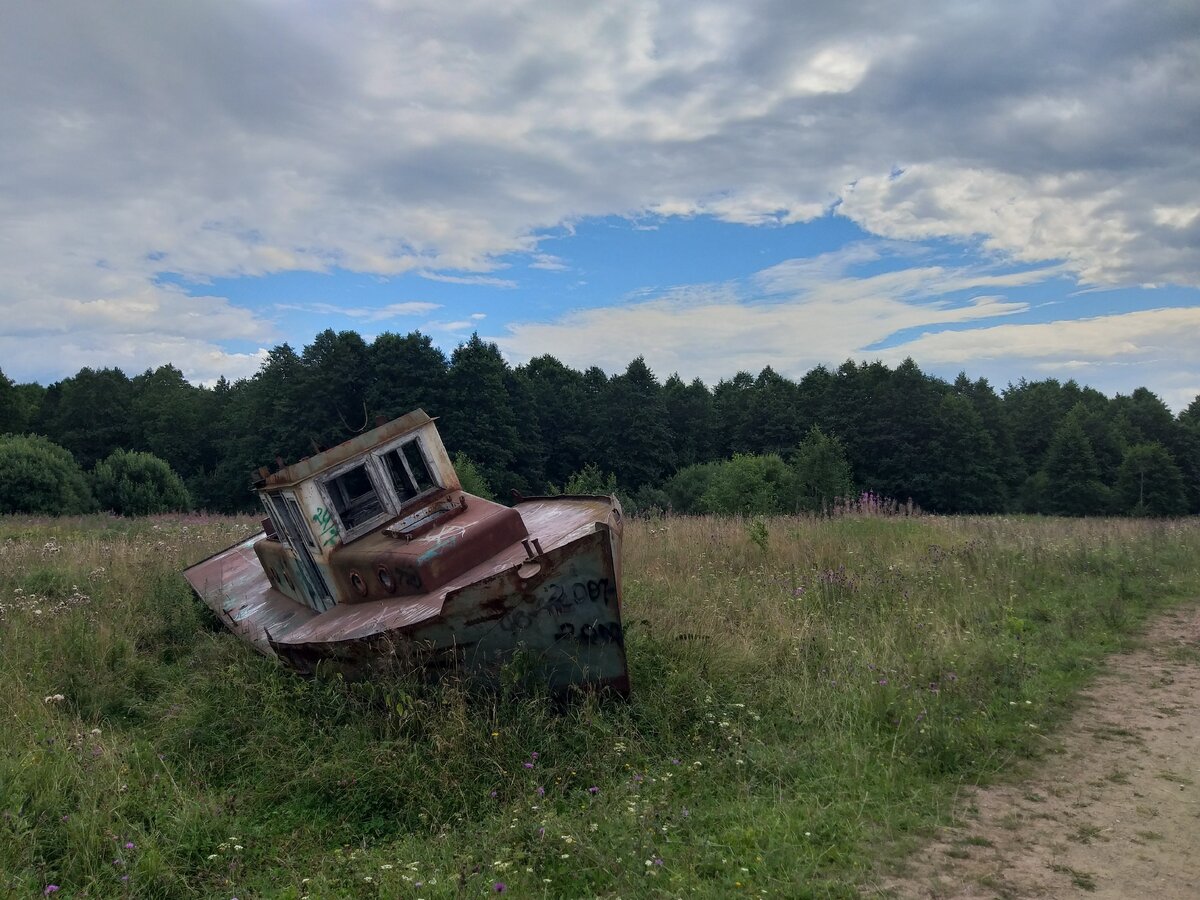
[{"x": 950, "y": 447}]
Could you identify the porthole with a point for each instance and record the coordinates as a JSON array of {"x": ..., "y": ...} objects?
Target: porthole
[
  {"x": 356, "y": 582},
  {"x": 387, "y": 579}
]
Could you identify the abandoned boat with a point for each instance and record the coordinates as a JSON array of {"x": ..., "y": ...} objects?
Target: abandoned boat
[{"x": 371, "y": 552}]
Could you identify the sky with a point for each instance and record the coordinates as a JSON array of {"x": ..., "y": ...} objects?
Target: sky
[{"x": 1010, "y": 189}]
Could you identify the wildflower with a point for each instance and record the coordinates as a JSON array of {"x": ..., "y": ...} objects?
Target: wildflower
[
  {"x": 50, "y": 889},
  {"x": 54, "y": 698},
  {"x": 212, "y": 856},
  {"x": 499, "y": 887},
  {"x": 124, "y": 877},
  {"x": 674, "y": 761},
  {"x": 528, "y": 765},
  {"x": 238, "y": 847},
  {"x": 883, "y": 682},
  {"x": 493, "y": 795},
  {"x": 541, "y": 791},
  {"x": 593, "y": 790},
  {"x": 533, "y": 755},
  {"x": 386, "y": 866},
  {"x": 658, "y": 861},
  {"x": 129, "y": 845},
  {"x": 95, "y": 731}
]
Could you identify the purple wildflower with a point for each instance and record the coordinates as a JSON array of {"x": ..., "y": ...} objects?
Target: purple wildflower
[
  {"x": 124, "y": 877},
  {"x": 528, "y": 765},
  {"x": 541, "y": 832},
  {"x": 493, "y": 795},
  {"x": 50, "y": 889},
  {"x": 499, "y": 887},
  {"x": 658, "y": 861},
  {"x": 533, "y": 755},
  {"x": 593, "y": 790},
  {"x": 129, "y": 845},
  {"x": 541, "y": 791},
  {"x": 883, "y": 681}
]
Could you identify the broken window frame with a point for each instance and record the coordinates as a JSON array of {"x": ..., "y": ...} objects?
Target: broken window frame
[
  {"x": 398, "y": 447},
  {"x": 379, "y": 473},
  {"x": 276, "y": 517},
  {"x": 378, "y": 484}
]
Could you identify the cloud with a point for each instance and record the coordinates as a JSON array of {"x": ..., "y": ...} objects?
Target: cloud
[
  {"x": 1111, "y": 353},
  {"x": 213, "y": 141},
  {"x": 369, "y": 314},
  {"x": 484, "y": 280},
  {"x": 779, "y": 317},
  {"x": 548, "y": 262}
]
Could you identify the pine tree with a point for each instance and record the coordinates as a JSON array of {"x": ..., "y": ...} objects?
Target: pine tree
[
  {"x": 1071, "y": 475},
  {"x": 1149, "y": 482},
  {"x": 967, "y": 467}
]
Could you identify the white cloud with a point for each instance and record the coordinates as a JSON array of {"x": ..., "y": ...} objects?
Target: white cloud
[
  {"x": 781, "y": 318},
  {"x": 213, "y": 141},
  {"x": 366, "y": 313},
  {"x": 483, "y": 280},
  {"x": 1112, "y": 353},
  {"x": 548, "y": 262}
]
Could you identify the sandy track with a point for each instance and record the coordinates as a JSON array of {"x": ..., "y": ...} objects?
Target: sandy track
[{"x": 1112, "y": 812}]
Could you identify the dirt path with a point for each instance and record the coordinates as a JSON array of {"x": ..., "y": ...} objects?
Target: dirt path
[{"x": 1113, "y": 813}]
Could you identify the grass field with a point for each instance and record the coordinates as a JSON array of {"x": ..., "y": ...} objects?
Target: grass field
[{"x": 807, "y": 698}]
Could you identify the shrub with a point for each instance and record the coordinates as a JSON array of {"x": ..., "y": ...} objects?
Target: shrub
[
  {"x": 470, "y": 478},
  {"x": 689, "y": 484},
  {"x": 823, "y": 475},
  {"x": 750, "y": 486},
  {"x": 38, "y": 476},
  {"x": 138, "y": 484},
  {"x": 590, "y": 480}
]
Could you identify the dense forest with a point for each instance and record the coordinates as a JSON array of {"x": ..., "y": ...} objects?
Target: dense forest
[{"x": 752, "y": 443}]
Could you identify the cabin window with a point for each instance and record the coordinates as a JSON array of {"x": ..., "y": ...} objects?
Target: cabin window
[
  {"x": 276, "y": 519},
  {"x": 354, "y": 497},
  {"x": 408, "y": 470},
  {"x": 299, "y": 525}
]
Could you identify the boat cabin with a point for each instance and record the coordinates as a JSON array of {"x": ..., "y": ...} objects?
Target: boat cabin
[{"x": 353, "y": 523}]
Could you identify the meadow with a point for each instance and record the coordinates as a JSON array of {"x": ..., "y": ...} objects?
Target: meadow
[{"x": 809, "y": 695}]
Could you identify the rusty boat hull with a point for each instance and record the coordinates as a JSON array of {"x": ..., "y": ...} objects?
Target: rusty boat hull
[{"x": 545, "y": 596}]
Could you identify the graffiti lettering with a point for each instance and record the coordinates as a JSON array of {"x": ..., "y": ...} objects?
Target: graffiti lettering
[
  {"x": 559, "y": 600},
  {"x": 591, "y": 633},
  {"x": 329, "y": 529}
]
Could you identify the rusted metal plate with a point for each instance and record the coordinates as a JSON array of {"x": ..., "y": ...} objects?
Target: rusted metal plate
[{"x": 233, "y": 585}]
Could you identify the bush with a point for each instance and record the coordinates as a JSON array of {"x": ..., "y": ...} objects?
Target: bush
[
  {"x": 689, "y": 484},
  {"x": 138, "y": 484},
  {"x": 751, "y": 486},
  {"x": 823, "y": 475},
  {"x": 38, "y": 476},
  {"x": 590, "y": 480},
  {"x": 470, "y": 479}
]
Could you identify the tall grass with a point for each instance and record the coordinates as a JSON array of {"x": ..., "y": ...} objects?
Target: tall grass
[{"x": 804, "y": 700}]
